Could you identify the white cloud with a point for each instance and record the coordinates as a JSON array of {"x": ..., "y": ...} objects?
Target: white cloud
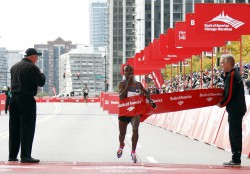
[{"x": 28, "y": 22}]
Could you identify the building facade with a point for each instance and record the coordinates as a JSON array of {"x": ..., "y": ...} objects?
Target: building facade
[
  {"x": 13, "y": 56},
  {"x": 3, "y": 67},
  {"x": 98, "y": 23},
  {"x": 49, "y": 61},
  {"x": 121, "y": 37},
  {"x": 80, "y": 67}
]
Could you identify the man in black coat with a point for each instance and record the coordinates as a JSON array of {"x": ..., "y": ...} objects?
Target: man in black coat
[
  {"x": 234, "y": 100},
  {"x": 25, "y": 80}
]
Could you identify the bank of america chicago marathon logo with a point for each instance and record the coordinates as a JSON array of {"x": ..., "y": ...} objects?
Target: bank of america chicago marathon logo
[
  {"x": 229, "y": 23},
  {"x": 182, "y": 35}
]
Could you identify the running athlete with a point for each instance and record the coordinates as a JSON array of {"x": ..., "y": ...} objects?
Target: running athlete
[
  {"x": 127, "y": 88},
  {"x": 85, "y": 94}
]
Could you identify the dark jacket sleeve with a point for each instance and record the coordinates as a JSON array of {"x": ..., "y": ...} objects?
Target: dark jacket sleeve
[
  {"x": 36, "y": 76},
  {"x": 229, "y": 89}
]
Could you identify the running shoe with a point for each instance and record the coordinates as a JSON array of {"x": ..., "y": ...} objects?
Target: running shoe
[
  {"x": 133, "y": 157},
  {"x": 119, "y": 152}
]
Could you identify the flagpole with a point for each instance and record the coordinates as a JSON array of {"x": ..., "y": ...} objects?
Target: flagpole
[
  {"x": 213, "y": 67},
  {"x": 240, "y": 55}
]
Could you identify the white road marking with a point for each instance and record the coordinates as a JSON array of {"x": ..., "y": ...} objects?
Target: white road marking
[
  {"x": 151, "y": 159},
  {"x": 56, "y": 111}
]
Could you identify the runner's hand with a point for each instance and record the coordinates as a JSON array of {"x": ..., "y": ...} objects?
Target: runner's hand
[
  {"x": 153, "y": 104},
  {"x": 130, "y": 80}
]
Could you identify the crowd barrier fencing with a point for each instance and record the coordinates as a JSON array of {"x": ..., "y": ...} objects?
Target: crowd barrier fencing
[
  {"x": 206, "y": 124},
  {"x": 52, "y": 99}
]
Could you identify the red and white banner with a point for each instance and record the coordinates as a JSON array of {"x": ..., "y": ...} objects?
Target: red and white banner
[
  {"x": 170, "y": 102},
  {"x": 214, "y": 37},
  {"x": 222, "y": 19},
  {"x": 187, "y": 38},
  {"x": 158, "y": 79}
]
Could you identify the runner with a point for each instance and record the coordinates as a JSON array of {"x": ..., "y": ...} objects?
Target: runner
[
  {"x": 127, "y": 88},
  {"x": 85, "y": 94}
]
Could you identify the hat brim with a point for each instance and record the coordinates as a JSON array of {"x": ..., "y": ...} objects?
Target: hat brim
[{"x": 39, "y": 54}]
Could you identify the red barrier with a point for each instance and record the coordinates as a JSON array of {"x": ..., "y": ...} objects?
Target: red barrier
[
  {"x": 213, "y": 124},
  {"x": 201, "y": 122},
  {"x": 93, "y": 100},
  {"x": 101, "y": 99},
  {"x": 47, "y": 99},
  {"x": 76, "y": 99},
  {"x": 222, "y": 140},
  {"x": 167, "y": 120},
  {"x": 189, "y": 122},
  {"x": 246, "y": 135},
  {"x": 2, "y": 102},
  {"x": 113, "y": 103},
  {"x": 181, "y": 115}
]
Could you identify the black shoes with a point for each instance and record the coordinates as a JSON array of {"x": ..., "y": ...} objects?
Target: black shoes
[
  {"x": 29, "y": 160},
  {"x": 231, "y": 164},
  {"x": 13, "y": 159}
]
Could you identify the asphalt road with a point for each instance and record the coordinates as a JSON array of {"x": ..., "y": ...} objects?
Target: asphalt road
[{"x": 76, "y": 132}]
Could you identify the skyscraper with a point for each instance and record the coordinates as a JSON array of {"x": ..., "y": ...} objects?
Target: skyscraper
[
  {"x": 3, "y": 67},
  {"x": 121, "y": 37},
  {"x": 49, "y": 61},
  {"x": 98, "y": 23}
]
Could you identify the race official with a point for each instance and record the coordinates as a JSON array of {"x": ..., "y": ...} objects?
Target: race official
[
  {"x": 234, "y": 100},
  {"x": 25, "y": 80}
]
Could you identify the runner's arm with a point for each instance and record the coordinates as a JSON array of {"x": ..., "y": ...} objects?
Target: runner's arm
[{"x": 147, "y": 95}]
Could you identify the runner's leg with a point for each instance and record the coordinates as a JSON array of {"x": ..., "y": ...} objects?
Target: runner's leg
[
  {"x": 135, "y": 122},
  {"x": 123, "y": 129}
]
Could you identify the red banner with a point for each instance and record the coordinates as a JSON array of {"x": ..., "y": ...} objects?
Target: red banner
[
  {"x": 170, "y": 102},
  {"x": 212, "y": 37},
  {"x": 158, "y": 79},
  {"x": 222, "y": 19},
  {"x": 184, "y": 38}
]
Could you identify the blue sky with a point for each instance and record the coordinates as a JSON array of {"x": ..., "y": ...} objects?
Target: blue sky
[{"x": 24, "y": 23}]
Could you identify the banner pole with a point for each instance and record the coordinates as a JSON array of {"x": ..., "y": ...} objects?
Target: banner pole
[
  {"x": 171, "y": 77},
  {"x": 213, "y": 67},
  {"x": 184, "y": 75},
  {"x": 191, "y": 72},
  {"x": 241, "y": 55},
  {"x": 201, "y": 73},
  {"x": 178, "y": 74}
]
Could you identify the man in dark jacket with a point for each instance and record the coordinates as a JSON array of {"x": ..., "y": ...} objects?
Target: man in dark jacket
[
  {"x": 25, "y": 80},
  {"x": 234, "y": 100}
]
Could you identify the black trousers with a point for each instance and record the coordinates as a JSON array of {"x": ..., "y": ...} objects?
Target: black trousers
[
  {"x": 22, "y": 125},
  {"x": 235, "y": 135}
]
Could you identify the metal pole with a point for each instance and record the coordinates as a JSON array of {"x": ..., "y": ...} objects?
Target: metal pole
[
  {"x": 241, "y": 56},
  {"x": 105, "y": 88},
  {"x": 6, "y": 78}
]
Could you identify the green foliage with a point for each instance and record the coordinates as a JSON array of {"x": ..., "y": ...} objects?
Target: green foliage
[
  {"x": 234, "y": 48},
  {"x": 42, "y": 94},
  {"x": 230, "y": 48}
]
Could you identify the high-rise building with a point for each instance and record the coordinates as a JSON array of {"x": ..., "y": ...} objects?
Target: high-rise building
[
  {"x": 3, "y": 67},
  {"x": 79, "y": 67},
  {"x": 121, "y": 37},
  {"x": 49, "y": 61},
  {"x": 98, "y": 23},
  {"x": 13, "y": 56}
]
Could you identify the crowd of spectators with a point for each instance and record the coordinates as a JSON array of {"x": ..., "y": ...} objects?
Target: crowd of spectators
[{"x": 200, "y": 80}]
